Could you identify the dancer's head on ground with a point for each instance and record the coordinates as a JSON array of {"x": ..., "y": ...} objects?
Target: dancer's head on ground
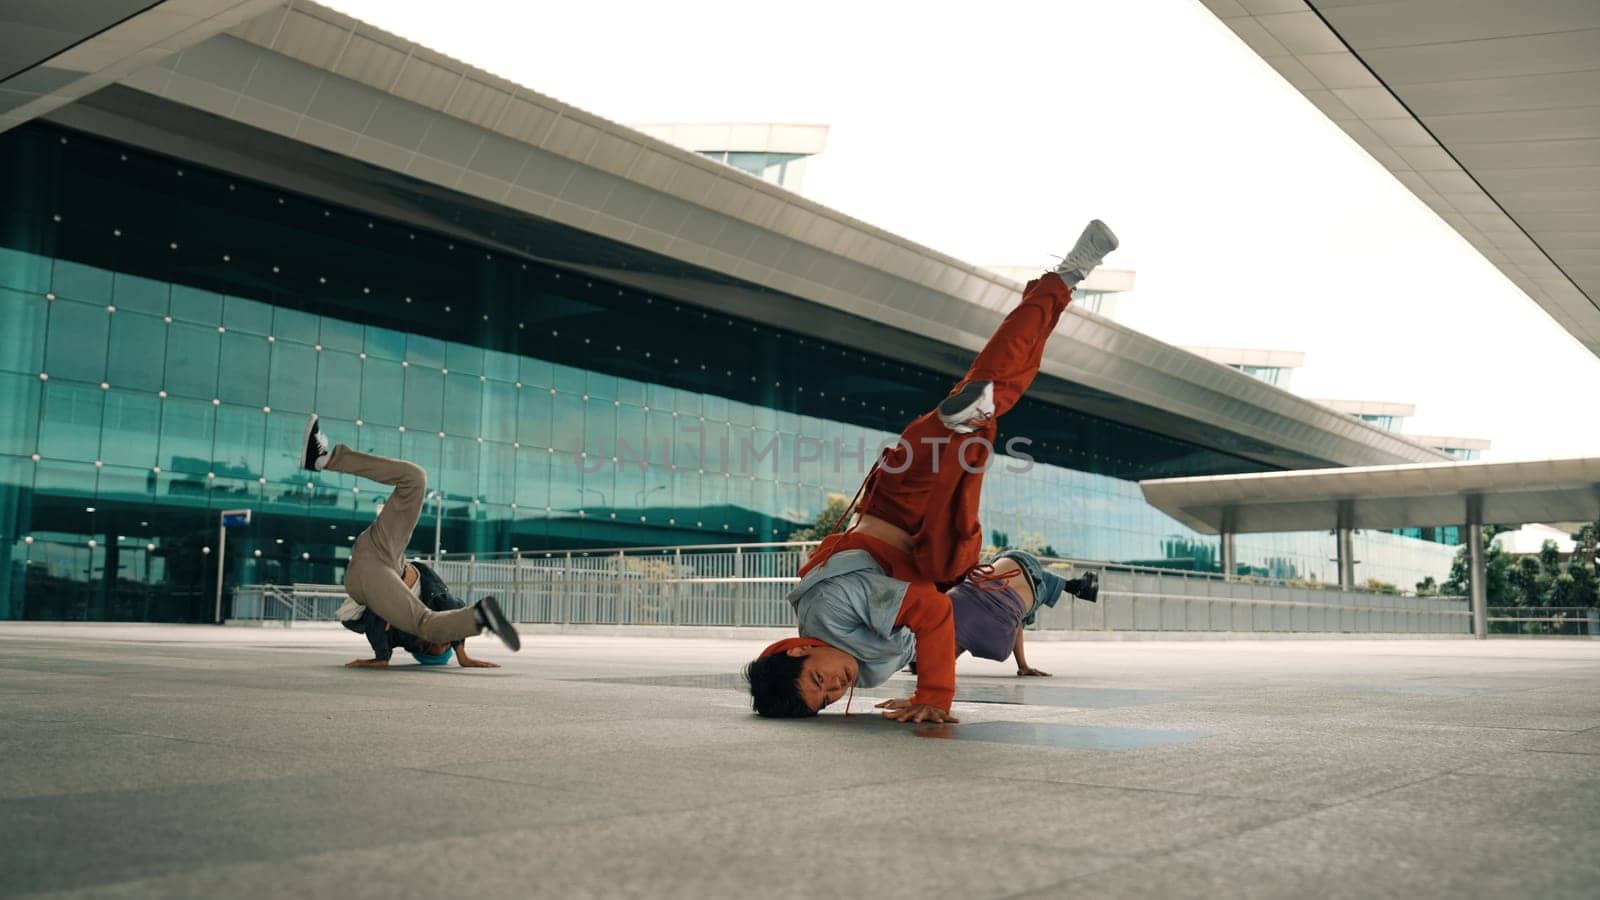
[{"x": 797, "y": 677}]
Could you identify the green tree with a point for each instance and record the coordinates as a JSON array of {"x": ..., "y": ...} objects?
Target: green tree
[
  {"x": 823, "y": 525},
  {"x": 1497, "y": 565},
  {"x": 1528, "y": 581},
  {"x": 1427, "y": 587},
  {"x": 1584, "y": 564}
]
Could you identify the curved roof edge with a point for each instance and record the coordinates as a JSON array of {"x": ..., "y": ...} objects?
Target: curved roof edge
[
  {"x": 1405, "y": 496},
  {"x": 325, "y": 80}
]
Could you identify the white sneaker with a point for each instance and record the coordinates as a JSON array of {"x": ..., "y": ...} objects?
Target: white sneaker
[
  {"x": 968, "y": 409},
  {"x": 1092, "y": 247}
]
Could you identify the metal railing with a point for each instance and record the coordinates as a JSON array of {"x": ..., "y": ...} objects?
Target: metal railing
[
  {"x": 287, "y": 603},
  {"x": 1562, "y": 620},
  {"x": 745, "y": 585}
]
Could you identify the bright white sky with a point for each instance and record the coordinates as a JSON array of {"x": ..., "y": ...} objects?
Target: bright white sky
[{"x": 992, "y": 131}]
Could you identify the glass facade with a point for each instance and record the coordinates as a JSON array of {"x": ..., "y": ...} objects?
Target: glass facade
[
  {"x": 782, "y": 169},
  {"x": 165, "y": 330},
  {"x": 1387, "y": 423},
  {"x": 1274, "y": 375}
]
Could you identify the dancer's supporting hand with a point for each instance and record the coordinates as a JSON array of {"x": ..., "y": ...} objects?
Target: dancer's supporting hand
[
  {"x": 906, "y": 711},
  {"x": 467, "y": 662},
  {"x": 368, "y": 664},
  {"x": 1027, "y": 671}
]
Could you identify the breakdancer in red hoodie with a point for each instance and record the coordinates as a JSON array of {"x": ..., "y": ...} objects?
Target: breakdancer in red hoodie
[{"x": 903, "y": 582}]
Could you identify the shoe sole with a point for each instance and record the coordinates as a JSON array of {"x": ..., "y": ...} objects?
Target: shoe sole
[
  {"x": 957, "y": 410},
  {"x": 309, "y": 464},
  {"x": 499, "y": 624}
]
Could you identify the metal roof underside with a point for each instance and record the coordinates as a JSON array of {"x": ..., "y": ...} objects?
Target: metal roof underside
[
  {"x": 54, "y": 53},
  {"x": 1408, "y": 496},
  {"x": 1489, "y": 111}
]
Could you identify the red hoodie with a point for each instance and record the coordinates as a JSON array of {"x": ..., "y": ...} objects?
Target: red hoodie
[{"x": 925, "y": 610}]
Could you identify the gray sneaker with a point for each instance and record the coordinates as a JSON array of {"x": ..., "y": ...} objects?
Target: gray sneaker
[
  {"x": 968, "y": 409},
  {"x": 1091, "y": 248}
]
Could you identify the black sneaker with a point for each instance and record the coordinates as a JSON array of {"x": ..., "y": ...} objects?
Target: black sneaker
[
  {"x": 1085, "y": 587},
  {"x": 968, "y": 409},
  {"x": 490, "y": 617},
  {"x": 315, "y": 454}
]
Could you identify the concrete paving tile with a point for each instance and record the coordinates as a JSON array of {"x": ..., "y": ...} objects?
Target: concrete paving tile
[
  {"x": 138, "y": 833},
  {"x": 1586, "y": 742},
  {"x": 1453, "y": 836},
  {"x": 56, "y": 759}
]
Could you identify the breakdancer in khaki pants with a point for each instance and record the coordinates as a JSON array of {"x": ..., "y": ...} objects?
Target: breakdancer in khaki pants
[{"x": 378, "y": 576}]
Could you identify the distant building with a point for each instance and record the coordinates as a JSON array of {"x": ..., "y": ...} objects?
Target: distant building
[
  {"x": 1272, "y": 366},
  {"x": 1462, "y": 448},
  {"x": 1529, "y": 541},
  {"x": 773, "y": 152},
  {"x": 1385, "y": 414}
]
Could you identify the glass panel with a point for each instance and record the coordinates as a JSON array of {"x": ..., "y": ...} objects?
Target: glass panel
[
  {"x": 19, "y": 413},
  {"x": 384, "y": 343},
  {"x": 192, "y": 361},
  {"x": 338, "y": 334},
  {"x": 294, "y": 325},
  {"x": 424, "y": 399},
  {"x": 570, "y": 380},
  {"x": 125, "y": 483},
  {"x": 463, "y": 404},
  {"x": 566, "y": 423},
  {"x": 132, "y": 429},
  {"x": 600, "y": 428},
  {"x": 84, "y": 283},
  {"x": 536, "y": 373},
  {"x": 421, "y": 350},
  {"x": 533, "y": 477},
  {"x": 193, "y": 305},
  {"x": 338, "y": 374},
  {"x": 131, "y": 293},
  {"x": 187, "y": 435},
  {"x": 382, "y": 390},
  {"x": 422, "y": 449},
  {"x": 501, "y": 366},
  {"x": 138, "y": 352},
  {"x": 534, "y": 407},
  {"x": 22, "y": 330},
  {"x": 76, "y": 347},
  {"x": 499, "y": 411},
  {"x": 282, "y": 459},
  {"x": 459, "y": 475},
  {"x": 497, "y": 474},
  {"x": 244, "y": 369},
  {"x": 69, "y": 427},
  {"x": 294, "y": 380},
  {"x": 23, "y": 271},
  {"x": 465, "y": 358},
  {"x": 239, "y": 314},
  {"x": 241, "y": 442}
]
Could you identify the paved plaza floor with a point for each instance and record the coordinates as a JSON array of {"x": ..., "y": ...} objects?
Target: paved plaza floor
[{"x": 162, "y": 761}]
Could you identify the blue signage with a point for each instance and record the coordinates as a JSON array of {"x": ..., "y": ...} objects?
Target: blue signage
[{"x": 235, "y": 518}]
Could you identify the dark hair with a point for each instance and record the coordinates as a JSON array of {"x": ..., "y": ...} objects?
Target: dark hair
[{"x": 775, "y": 687}]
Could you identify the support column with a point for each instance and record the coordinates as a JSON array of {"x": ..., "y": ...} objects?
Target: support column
[
  {"x": 1346, "y": 558},
  {"x": 1477, "y": 573},
  {"x": 1230, "y": 557}
]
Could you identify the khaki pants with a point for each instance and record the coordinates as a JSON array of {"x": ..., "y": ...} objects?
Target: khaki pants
[{"x": 377, "y": 562}]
